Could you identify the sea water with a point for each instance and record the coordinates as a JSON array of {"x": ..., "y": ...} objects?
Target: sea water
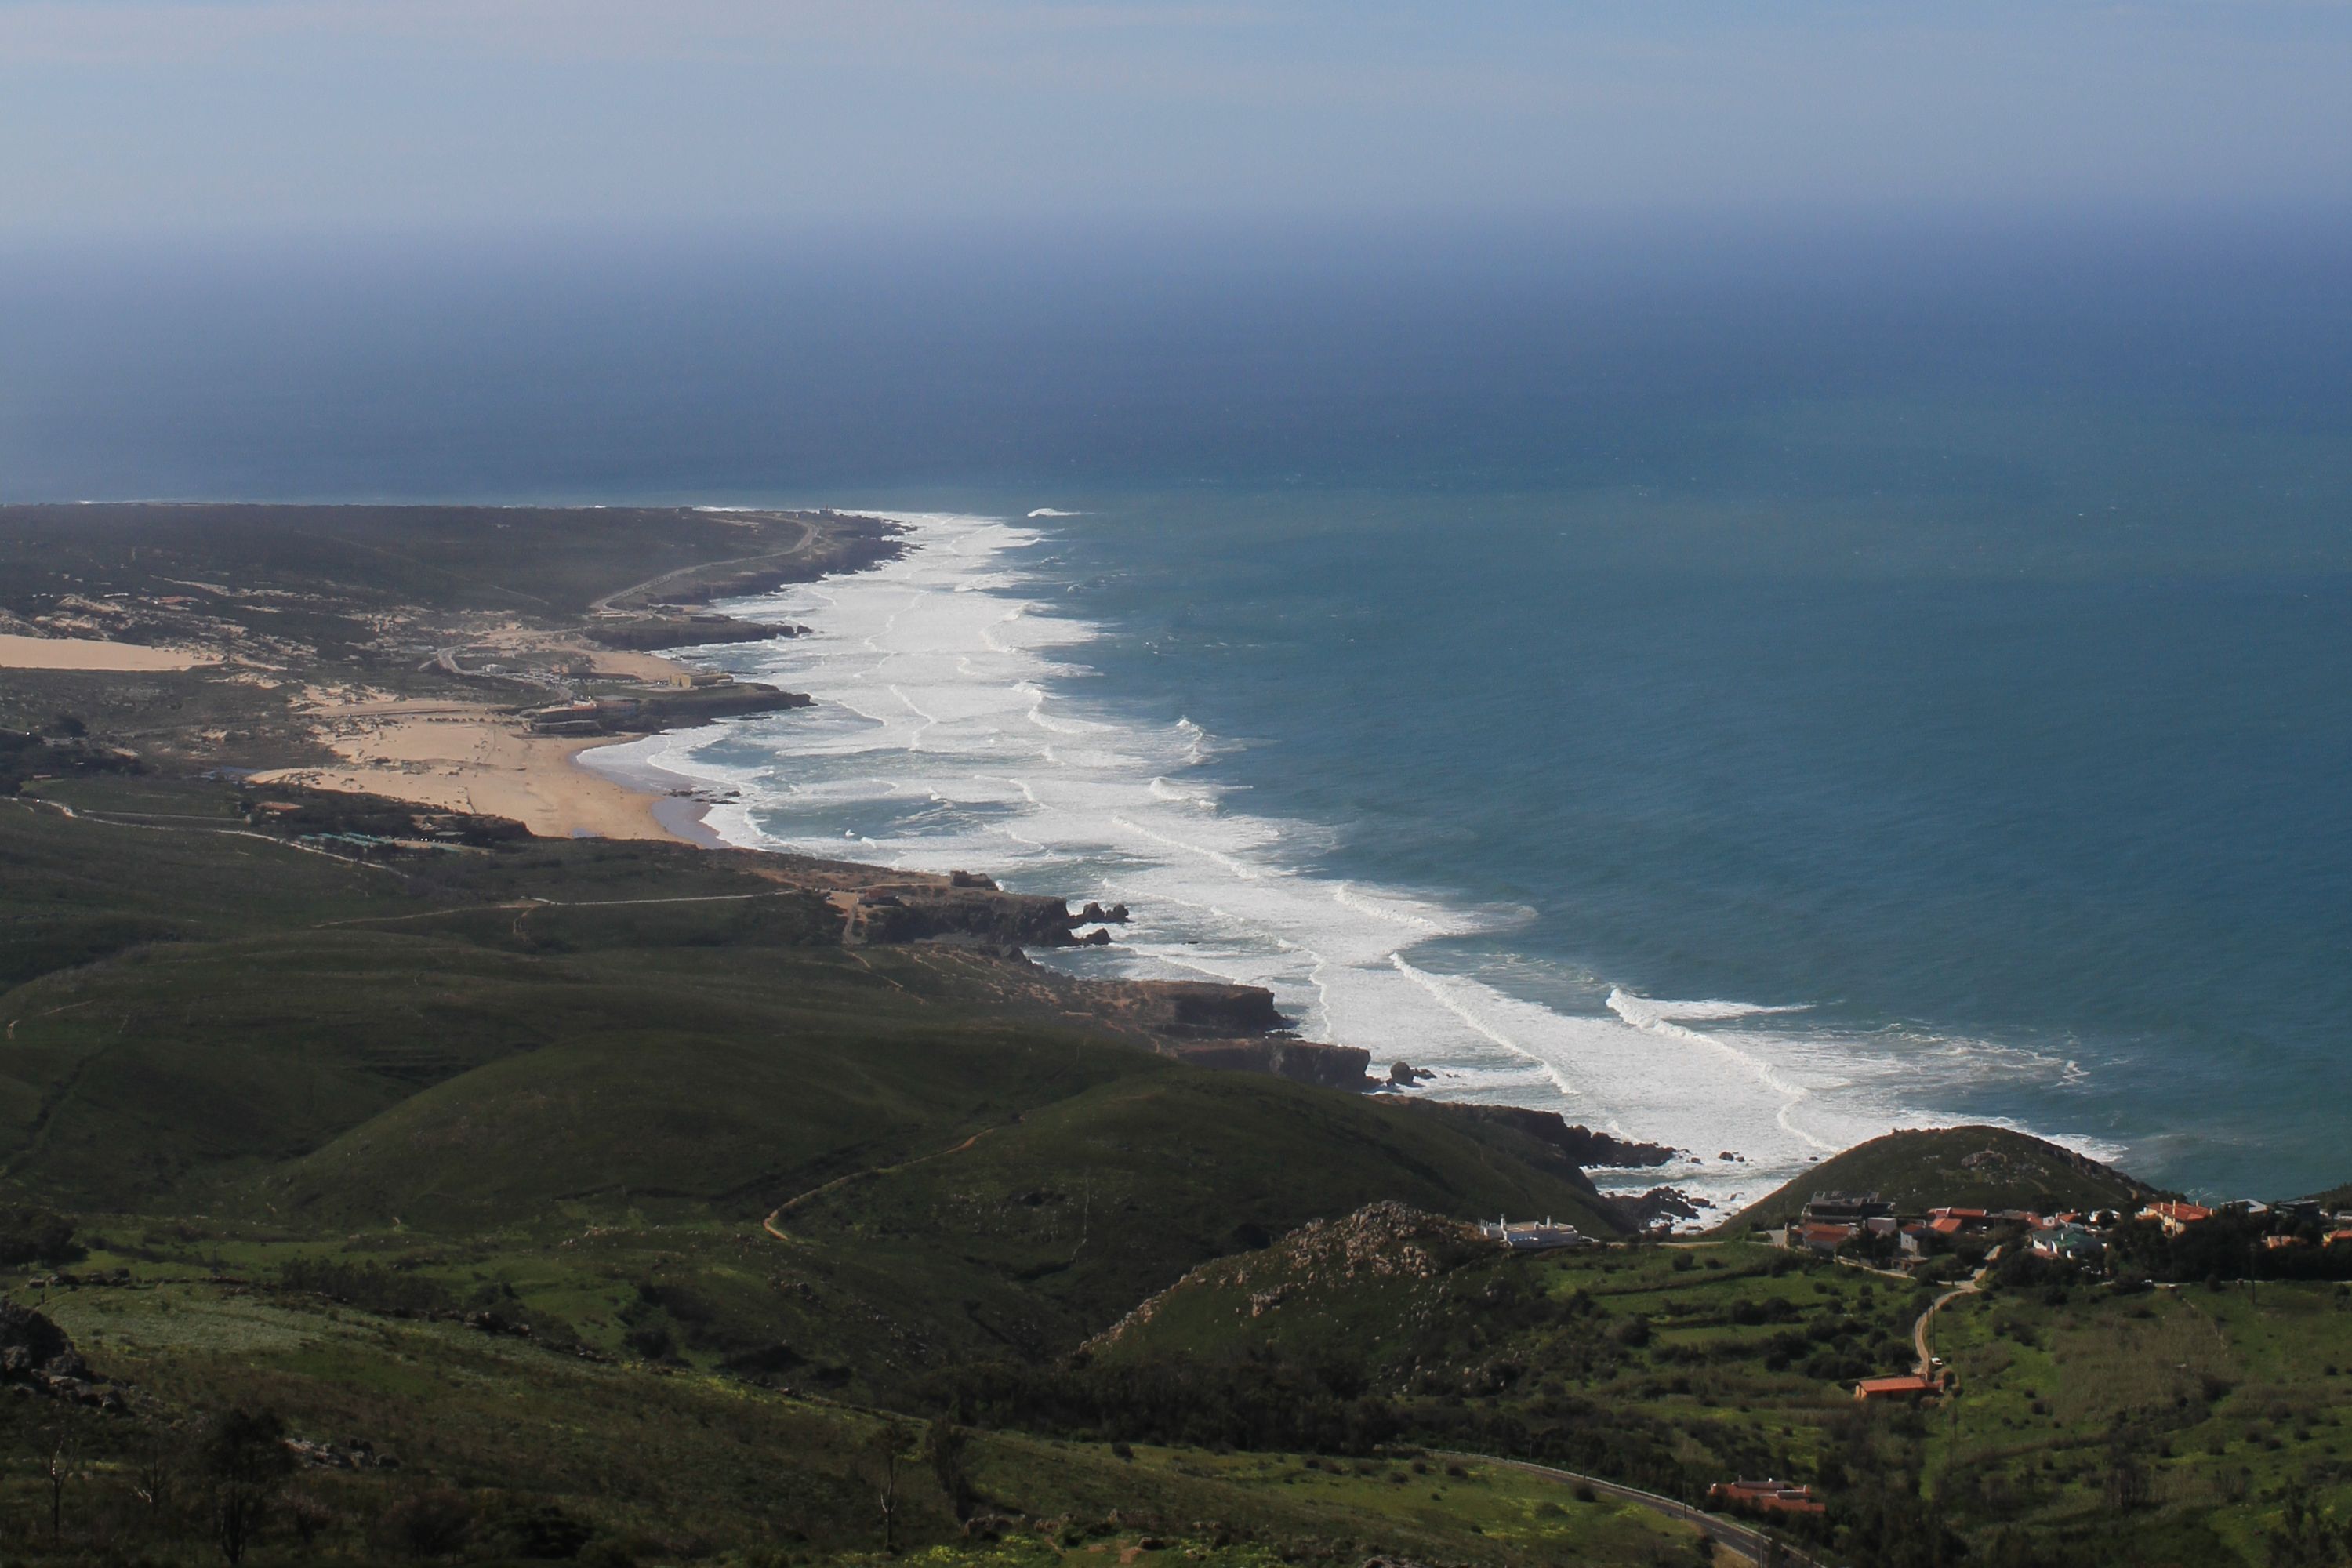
[{"x": 1745, "y": 696}]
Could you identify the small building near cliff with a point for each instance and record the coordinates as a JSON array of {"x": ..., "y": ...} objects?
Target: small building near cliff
[{"x": 1529, "y": 1236}]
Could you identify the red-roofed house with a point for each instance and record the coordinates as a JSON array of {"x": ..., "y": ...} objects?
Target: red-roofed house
[
  {"x": 1821, "y": 1238},
  {"x": 1908, "y": 1386},
  {"x": 2176, "y": 1217}
]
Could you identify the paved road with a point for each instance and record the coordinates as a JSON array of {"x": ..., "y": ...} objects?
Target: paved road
[
  {"x": 1919, "y": 1328},
  {"x": 1746, "y": 1540},
  {"x": 604, "y": 607}
]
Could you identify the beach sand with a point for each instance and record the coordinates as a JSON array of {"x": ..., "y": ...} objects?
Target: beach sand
[
  {"x": 461, "y": 756},
  {"x": 92, "y": 653}
]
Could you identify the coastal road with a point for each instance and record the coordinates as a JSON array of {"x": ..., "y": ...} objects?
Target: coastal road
[
  {"x": 1919, "y": 1328},
  {"x": 1742, "y": 1540},
  {"x": 604, "y": 606}
]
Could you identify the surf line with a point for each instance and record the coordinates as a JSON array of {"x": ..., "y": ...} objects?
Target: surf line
[
  {"x": 1446, "y": 1000},
  {"x": 1631, "y": 1008},
  {"x": 1240, "y": 871}
]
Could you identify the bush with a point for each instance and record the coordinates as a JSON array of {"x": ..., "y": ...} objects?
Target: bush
[
  {"x": 370, "y": 1287},
  {"x": 434, "y": 1523},
  {"x": 36, "y": 1236}
]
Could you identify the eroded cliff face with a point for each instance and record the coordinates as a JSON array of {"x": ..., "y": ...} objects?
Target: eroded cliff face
[
  {"x": 934, "y": 911},
  {"x": 1229, "y": 1028},
  {"x": 1580, "y": 1145}
]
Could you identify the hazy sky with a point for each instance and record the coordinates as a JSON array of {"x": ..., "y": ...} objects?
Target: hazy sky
[{"x": 267, "y": 115}]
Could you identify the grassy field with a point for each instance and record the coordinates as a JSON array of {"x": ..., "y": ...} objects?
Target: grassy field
[
  {"x": 675, "y": 1463},
  {"x": 2201, "y": 1411}
]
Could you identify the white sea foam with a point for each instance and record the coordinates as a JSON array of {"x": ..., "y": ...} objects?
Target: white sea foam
[{"x": 948, "y": 734}]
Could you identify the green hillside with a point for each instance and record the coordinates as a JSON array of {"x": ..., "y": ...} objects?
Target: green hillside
[
  {"x": 494, "y": 1039},
  {"x": 1958, "y": 1167},
  {"x": 512, "y": 1452}
]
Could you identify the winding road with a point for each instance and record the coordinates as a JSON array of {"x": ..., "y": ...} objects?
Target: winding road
[
  {"x": 1920, "y": 1330},
  {"x": 1744, "y": 1539}
]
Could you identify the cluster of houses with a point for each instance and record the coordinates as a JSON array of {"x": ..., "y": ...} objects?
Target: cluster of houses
[{"x": 1831, "y": 1220}]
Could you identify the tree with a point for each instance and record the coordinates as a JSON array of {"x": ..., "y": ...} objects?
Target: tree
[
  {"x": 944, "y": 1443},
  {"x": 242, "y": 1454},
  {"x": 150, "y": 1478},
  {"x": 64, "y": 1462},
  {"x": 881, "y": 1465}
]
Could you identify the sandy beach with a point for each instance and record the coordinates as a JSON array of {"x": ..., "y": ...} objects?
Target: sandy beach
[{"x": 461, "y": 756}]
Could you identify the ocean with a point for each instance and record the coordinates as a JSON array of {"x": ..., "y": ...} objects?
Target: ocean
[{"x": 1745, "y": 690}]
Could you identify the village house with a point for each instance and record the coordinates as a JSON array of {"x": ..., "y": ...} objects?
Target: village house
[
  {"x": 1883, "y": 1389},
  {"x": 1846, "y": 1208},
  {"x": 2176, "y": 1217},
  {"x": 1820, "y": 1238},
  {"x": 2070, "y": 1243}
]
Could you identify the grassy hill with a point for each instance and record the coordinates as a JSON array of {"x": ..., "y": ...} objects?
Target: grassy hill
[
  {"x": 207, "y": 1020},
  {"x": 508, "y": 1451},
  {"x": 1960, "y": 1167}
]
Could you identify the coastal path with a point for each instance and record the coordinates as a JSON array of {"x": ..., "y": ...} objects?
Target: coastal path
[
  {"x": 125, "y": 819},
  {"x": 1742, "y": 1540},
  {"x": 781, "y": 1233}
]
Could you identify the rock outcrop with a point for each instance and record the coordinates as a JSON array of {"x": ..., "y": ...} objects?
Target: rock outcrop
[
  {"x": 973, "y": 910},
  {"x": 36, "y": 1358},
  {"x": 1656, "y": 1209},
  {"x": 655, "y": 633},
  {"x": 1581, "y": 1146},
  {"x": 1379, "y": 1241}
]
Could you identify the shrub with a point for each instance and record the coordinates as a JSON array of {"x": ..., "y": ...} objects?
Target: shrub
[{"x": 434, "y": 1523}]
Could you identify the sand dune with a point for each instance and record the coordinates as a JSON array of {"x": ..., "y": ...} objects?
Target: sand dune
[{"x": 18, "y": 652}]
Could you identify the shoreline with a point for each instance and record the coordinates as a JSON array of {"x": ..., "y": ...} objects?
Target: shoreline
[
  {"x": 1333, "y": 953},
  {"x": 473, "y": 758},
  {"x": 675, "y": 802}
]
